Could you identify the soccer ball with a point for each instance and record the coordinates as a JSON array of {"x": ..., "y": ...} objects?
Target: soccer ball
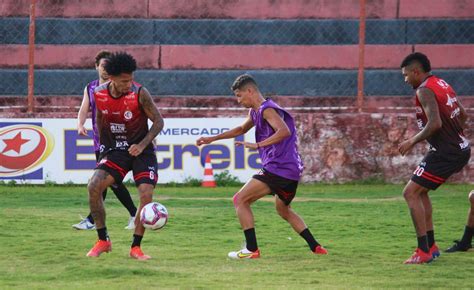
[{"x": 154, "y": 216}]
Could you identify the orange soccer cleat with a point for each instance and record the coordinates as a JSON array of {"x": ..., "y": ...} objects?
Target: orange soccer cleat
[
  {"x": 419, "y": 257},
  {"x": 136, "y": 253},
  {"x": 100, "y": 247},
  {"x": 319, "y": 250}
]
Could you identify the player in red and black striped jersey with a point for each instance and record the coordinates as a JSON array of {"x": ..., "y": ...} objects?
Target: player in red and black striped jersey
[
  {"x": 441, "y": 119},
  {"x": 123, "y": 110},
  {"x": 88, "y": 103}
]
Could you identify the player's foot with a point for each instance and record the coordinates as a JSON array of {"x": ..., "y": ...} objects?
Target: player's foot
[
  {"x": 100, "y": 247},
  {"x": 136, "y": 253},
  {"x": 458, "y": 247},
  {"x": 84, "y": 224},
  {"x": 131, "y": 223},
  {"x": 434, "y": 251},
  {"x": 419, "y": 257},
  {"x": 244, "y": 254},
  {"x": 319, "y": 250}
]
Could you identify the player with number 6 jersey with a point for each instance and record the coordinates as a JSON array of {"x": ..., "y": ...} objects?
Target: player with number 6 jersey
[
  {"x": 123, "y": 110},
  {"x": 441, "y": 119}
]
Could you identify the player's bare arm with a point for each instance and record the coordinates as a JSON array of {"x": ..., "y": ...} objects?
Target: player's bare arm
[
  {"x": 434, "y": 123},
  {"x": 154, "y": 115},
  {"x": 279, "y": 126},
  {"x": 237, "y": 131},
  {"x": 82, "y": 115}
]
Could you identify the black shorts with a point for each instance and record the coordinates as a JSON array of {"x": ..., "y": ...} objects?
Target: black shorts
[
  {"x": 119, "y": 163},
  {"x": 283, "y": 187},
  {"x": 436, "y": 167}
]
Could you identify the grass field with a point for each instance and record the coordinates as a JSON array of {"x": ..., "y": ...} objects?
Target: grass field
[{"x": 366, "y": 228}]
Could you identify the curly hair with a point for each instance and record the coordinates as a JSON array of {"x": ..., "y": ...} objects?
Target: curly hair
[
  {"x": 102, "y": 54},
  {"x": 419, "y": 58},
  {"x": 242, "y": 81},
  {"x": 120, "y": 62}
]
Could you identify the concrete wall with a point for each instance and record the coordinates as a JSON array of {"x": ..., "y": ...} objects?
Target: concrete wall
[
  {"x": 250, "y": 9},
  {"x": 169, "y": 57}
]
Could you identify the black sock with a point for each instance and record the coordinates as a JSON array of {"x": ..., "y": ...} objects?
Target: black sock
[
  {"x": 103, "y": 235},
  {"x": 312, "y": 243},
  {"x": 90, "y": 218},
  {"x": 431, "y": 239},
  {"x": 137, "y": 240},
  {"x": 468, "y": 234},
  {"x": 423, "y": 243},
  {"x": 251, "y": 239},
  {"x": 123, "y": 195}
]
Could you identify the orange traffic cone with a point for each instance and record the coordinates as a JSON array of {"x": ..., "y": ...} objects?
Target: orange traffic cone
[{"x": 208, "y": 180}]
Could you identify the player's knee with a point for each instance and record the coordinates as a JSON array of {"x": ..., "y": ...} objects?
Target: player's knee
[
  {"x": 471, "y": 197},
  {"x": 408, "y": 195},
  {"x": 94, "y": 187},
  {"x": 235, "y": 199},
  {"x": 145, "y": 191}
]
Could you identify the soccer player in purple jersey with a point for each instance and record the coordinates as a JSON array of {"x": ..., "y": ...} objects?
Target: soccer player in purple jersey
[
  {"x": 88, "y": 102},
  {"x": 275, "y": 135}
]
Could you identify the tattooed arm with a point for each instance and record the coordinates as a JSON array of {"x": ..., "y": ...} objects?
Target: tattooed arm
[{"x": 154, "y": 115}]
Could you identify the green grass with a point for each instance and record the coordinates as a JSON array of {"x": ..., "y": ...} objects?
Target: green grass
[{"x": 366, "y": 228}]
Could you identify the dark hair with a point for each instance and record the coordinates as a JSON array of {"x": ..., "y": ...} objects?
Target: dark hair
[
  {"x": 120, "y": 62},
  {"x": 242, "y": 81},
  {"x": 102, "y": 54},
  {"x": 419, "y": 58}
]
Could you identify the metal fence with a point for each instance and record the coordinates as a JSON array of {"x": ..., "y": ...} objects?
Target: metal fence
[{"x": 362, "y": 55}]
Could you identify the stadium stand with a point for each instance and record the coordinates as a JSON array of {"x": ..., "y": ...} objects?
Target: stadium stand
[{"x": 196, "y": 49}]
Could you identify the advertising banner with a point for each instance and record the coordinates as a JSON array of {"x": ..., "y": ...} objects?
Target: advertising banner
[{"x": 37, "y": 151}]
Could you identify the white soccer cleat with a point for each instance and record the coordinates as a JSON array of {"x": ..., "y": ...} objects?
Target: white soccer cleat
[
  {"x": 131, "y": 223},
  {"x": 84, "y": 224},
  {"x": 244, "y": 254}
]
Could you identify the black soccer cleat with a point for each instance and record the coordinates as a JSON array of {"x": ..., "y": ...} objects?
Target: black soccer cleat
[{"x": 459, "y": 247}]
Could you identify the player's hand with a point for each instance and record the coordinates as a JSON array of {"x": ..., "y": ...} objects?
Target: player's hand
[
  {"x": 135, "y": 149},
  {"x": 81, "y": 130},
  {"x": 204, "y": 140},
  {"x": 246, "y": 144},
  {"x": 405, "y": 147}
]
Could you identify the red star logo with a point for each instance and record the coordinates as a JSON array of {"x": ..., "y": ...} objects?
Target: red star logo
[{"x": 14, "y": 143}]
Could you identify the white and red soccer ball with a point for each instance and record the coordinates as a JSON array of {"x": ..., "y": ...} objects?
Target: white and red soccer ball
[{"x": 154, "y": 216}]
